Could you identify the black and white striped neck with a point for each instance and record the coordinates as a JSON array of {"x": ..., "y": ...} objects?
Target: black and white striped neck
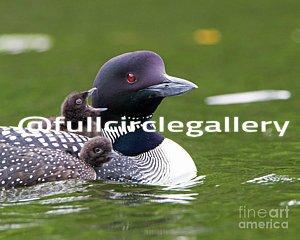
[
  {"x": 124, "y": 127},
  {"x": 132, "y": 139}
]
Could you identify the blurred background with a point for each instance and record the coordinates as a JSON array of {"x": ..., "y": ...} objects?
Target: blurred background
[{"x": 49, "y": 48}]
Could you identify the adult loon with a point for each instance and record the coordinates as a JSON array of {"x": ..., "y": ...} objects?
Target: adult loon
[
  {"x": 132, "y": 86},
  {"x": 28, "y": 166}
]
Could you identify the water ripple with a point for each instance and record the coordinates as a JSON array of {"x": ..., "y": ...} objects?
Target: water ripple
[
  {"x": 24, "y": 196},
  {"x": 270, "y": 179},
  {"x": 67, "y": 209},
  {"x": 17, "y": 226}
]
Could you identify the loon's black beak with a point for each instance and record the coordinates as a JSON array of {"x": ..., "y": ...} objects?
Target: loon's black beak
[
  {"x": 170, "y": 86},
  {"x": 97, "y": 111}
]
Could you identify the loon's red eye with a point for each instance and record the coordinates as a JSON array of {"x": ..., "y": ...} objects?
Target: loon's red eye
[{"x": 131, "y": 78}]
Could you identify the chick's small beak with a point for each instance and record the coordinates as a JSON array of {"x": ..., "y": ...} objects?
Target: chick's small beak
[
  {"x": 91, "y": 91},
  {"x": 87, "y": 94},
  {"x": 111, "y": 155},
  {"x": 96, "y": 111}
]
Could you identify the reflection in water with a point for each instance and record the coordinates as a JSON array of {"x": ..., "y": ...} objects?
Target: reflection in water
[
  {"x": 15, "y": 214},
  {"x": 139, "y": 194},
  {"x": 131, "y": 192},
  {"x": 133, "y": 198},
  {"x": 59, "y": 210},
  {"x": 17, "y": 226},
  {"x": 270, "y": 178},
  {"x": 23, "y": 195},
  {"x": 32, "y": 206},
  {"x": 35, "y": 206}
]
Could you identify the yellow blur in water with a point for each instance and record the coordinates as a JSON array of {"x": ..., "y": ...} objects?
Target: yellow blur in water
[{"x": 207, "y": 36}]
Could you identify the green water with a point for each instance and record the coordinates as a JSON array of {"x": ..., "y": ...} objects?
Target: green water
[{"x": 256, "y": 51}]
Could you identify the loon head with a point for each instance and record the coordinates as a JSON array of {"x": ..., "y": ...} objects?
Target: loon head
[
  {"x": 97, "y": 151},
  {"x": 134, "y": 84},
  {"x": 76, "y": 108}
]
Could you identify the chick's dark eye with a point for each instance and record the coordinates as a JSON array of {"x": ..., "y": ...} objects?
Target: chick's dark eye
[
  {"x": 78, "y": 101},
  {"x": 131, "y": 78},
  {"x": 98, "y": 150}
]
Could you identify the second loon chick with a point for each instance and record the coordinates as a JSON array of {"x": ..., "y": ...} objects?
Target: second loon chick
[
  {"x": 26, "y": 166},
  {"x": 96, "y": 151}
]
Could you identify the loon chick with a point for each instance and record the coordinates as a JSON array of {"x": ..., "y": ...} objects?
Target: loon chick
[
  {"x": 96, "y": 151},
  {"x": 75, "y": 109},
  {"x": 27, "y": 166}
]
